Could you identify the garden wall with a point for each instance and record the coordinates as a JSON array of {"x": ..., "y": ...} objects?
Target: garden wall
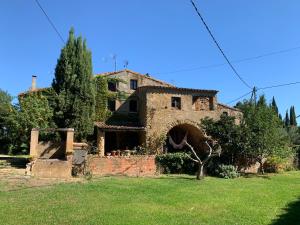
[
  {"x": 52, "y": 168},
  {"x": 130, "y": 166}
]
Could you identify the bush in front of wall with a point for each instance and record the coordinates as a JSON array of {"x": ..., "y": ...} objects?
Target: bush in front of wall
[
  {"x": 175, "y": 163},
  {"x": 227, "y": 171}
]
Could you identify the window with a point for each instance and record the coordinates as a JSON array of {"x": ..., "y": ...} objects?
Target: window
[
  {"x": 225, "y": 113},
  {"x": 176, "y": 102},
  {"x": 197, "y": 103},
  {"x": 133, "y": 106},
  {"x": 211, "y": 103},
  {"x": 111, "y": 105},
  {"x": 133, "y": 84},
  {"x": 112, "y": 86}
]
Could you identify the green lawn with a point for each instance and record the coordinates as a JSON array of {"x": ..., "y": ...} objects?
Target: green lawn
[{"x": 166, "y": 200}]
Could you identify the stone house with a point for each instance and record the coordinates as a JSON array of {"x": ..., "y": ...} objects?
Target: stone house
[{"x": 154, "y": 110}]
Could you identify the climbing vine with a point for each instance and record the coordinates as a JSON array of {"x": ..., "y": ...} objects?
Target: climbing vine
[{"x": 103, "y": 95}]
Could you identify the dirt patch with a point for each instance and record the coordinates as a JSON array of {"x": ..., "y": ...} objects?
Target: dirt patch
[{"x": 12, "y": 179}]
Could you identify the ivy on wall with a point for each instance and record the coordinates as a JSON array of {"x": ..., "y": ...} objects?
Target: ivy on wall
[{"x": 103, "y": 95}]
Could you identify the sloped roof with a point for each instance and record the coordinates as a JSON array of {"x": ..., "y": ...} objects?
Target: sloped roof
[
  {"x": 229, "y": 107},
  {"x": 136, "y": 73},
  {"x": 162, "y": 88}
]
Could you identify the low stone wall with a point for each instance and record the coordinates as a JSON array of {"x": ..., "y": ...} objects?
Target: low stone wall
[
  {"x": 130, "y": 166},
  {"x": 51, "y": 168}
]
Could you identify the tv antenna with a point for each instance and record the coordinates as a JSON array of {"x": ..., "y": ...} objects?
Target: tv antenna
[
  {"x": 114, "y": 58},
  {"x": 126, "y": 63}
]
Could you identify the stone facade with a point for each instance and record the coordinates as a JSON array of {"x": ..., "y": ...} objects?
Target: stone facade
[{"x": 161, "y": 106}]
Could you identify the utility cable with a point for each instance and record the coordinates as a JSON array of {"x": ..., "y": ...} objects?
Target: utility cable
[
  {"x": 218, "y": 46},
  {"x": 51, "y": 23}
]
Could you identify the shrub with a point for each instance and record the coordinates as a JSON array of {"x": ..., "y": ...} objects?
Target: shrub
[
  {"x": 172, "y": 163},
  {"x": 227, "y": 171},
  {"x": 277, "y": 164}
]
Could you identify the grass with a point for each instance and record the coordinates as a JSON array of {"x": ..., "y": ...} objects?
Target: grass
[{"x": 166, "y": 200}]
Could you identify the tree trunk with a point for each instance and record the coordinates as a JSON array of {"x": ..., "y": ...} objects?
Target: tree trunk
[
  {"x": 261, "y": 167},
  {"x": 200, "y": 174}
]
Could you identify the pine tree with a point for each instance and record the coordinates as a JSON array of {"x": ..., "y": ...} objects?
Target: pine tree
[
  {"x": 274, "y": 106},
  {"x": 287, "y": 119},
  {"x": 74, "y": 86}
]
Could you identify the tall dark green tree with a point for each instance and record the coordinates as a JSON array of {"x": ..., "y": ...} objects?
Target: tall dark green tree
[
  {"x": 293, "y": 120},
  {"x": 274, "y": 106},
  {"x": 74, "y": 86},
  {"x": 287, "y": 119}
]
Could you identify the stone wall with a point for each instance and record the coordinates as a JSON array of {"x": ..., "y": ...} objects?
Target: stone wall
[
  {"x": 52, "y": 168},
  {"x": 161, "y": 116},
  {"x": 130, "y": 166}
]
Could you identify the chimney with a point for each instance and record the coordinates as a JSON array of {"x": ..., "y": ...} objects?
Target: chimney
[{"x": 33, "y": 83}]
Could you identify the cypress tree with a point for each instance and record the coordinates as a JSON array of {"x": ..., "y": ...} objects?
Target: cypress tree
[
  {"x": 287, "y": 119},
  {"x": 73, "y": 83},
  {"x": 293, "y": 121},
  {"x": 274, "y": 106}
]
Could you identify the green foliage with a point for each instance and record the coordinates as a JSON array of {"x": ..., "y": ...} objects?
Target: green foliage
[
  {"x": 227, "y": 171},
  {"x": 277, "y": 164},
  {"x": 293, "y": 120},
  {"x": 172, "y": 163},
  {"x": 287, "y": 121},
  {"x": 274, "y": 106},
  {"x": 6, "y": 110},
  {"x": 261, "y": 131},
  {"x": 74, "y": 86},
  {"x": 228, "y": 135},
  {"x": 101, "y": 98}
]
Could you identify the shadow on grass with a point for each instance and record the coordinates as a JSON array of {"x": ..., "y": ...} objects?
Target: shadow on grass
[
  {"x": 253, "y": 175},
  {"x": 291, "y": 215},
  {"x": 14, "y": 161},
  {"x": 178, "y": 177}
]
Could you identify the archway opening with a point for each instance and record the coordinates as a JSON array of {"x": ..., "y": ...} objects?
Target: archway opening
[{"x": 195, "y": 137}]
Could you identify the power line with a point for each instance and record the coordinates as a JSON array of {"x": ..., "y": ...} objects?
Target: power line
[
  {"x": 244, "y": 95},
  {"x": 279, "y": 85},
  {"x": 264, "y": 88},
  {"x": 234, "y": 61},
  {"x": 51, "y": 23},
  {"x": 220, "y": 49}
]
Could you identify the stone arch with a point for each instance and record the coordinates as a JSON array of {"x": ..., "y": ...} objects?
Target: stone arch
[{"x": 178, "y": 129}]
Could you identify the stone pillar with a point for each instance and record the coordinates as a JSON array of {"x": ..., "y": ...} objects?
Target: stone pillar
[
  {"x": 34, "y": 141},
  {"x": 69, "y": 141},
  {"x": 101, "y": 142}
]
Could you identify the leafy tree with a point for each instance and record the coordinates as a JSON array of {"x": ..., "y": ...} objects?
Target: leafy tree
[
  {"x": 228, "y": 135},
  {"x": 6, "y": 109},
  {"x": 74, "y": 86},
  {"x": 261, "y": 132}
]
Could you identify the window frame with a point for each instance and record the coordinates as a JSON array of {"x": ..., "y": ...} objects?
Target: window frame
[
  {"x": 133, "y": 84},
  {"x": 176, "y": 102}
]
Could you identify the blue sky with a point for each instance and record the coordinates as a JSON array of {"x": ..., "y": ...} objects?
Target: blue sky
[{"x": 158, "y": 37}]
